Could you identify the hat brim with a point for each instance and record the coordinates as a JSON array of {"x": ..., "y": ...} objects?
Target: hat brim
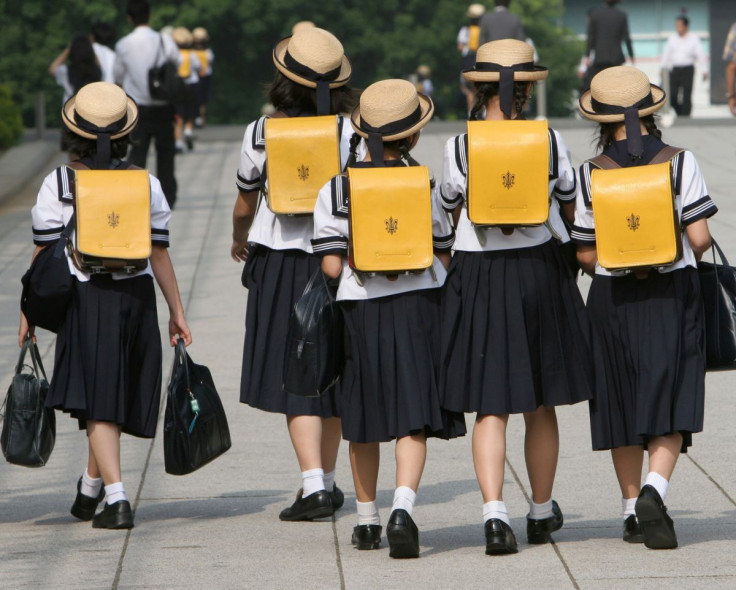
[
  {"x": 346, "y": 70},
  {"x": 538, "y": 73},
  {"x": 585, "y": 105},
  {"x": 67, "y": 115},
  {"x": 427, "y": 110}
]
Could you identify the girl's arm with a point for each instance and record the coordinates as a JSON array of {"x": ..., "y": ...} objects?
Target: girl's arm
[
  {"x": 243, "y": 214},
  {"x": 332, "y": 265},
  {"x": 163, "y": 270},
  {"x": 699, "y": 237},
  {"x": 587, "y": 258},
  {"x": 24, "y": 329}
]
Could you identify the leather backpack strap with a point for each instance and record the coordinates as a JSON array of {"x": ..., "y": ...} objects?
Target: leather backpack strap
[
  {"x": 666, "y": 154},
  {"x": 604, "y": 162}
]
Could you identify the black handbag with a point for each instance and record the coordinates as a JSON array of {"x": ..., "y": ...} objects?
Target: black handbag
[
  {"x": 29, "y": 427},
  {"x": 315, "y": 342},
  {"x": 195, "y": 425},
  {"x": 48, "y": 285},
  {"x": 164, "y": 82},
  {"x": 718, "y": 287}
]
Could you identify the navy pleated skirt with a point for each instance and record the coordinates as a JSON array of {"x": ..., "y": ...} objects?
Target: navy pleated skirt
[
  {"x": 649, "y": 348},
  {"x": 275, "y": 280},
  {"x": 107, "y": 364},
  {"x": 515, "y": 333},
  {"x": 389, "y": 388}
]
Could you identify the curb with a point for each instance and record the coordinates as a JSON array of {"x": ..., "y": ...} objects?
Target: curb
[{"x": 22, "y": 163}]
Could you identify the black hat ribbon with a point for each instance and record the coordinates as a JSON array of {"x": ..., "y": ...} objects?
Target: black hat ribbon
[
  {"x": 322, "y": 81},
  {"x": 104, "y": 135},
  {"x": 506, "y": 80},
  {"x": 631, "y": 120},
  {"x": 376, "y": 134}
]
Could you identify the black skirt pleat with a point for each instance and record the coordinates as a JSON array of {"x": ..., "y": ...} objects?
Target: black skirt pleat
[
  {"x": 389, "y": 385},
  {"x": 515, "y": 334},
  {"x": 649, "y": 349},
  {"x": 108, "y": 355},
  {"x": 275, "y": 280}
]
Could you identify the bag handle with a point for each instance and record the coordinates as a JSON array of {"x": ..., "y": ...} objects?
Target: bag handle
[
  {"x": 180, "y": 356},
  {"x": 715, "y": 247},
  {"x": 30, "y": 345}
]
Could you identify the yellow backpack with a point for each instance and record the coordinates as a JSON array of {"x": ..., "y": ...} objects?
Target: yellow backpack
[
  {"x": 473, "y": 37},
  {"x": 185, "y": 68},
  {"x": 390, "y": 217},
  {"x": 302, "y": 154},
  {"x": 636, "y": 221},
  {"x": 203, "y": 58},
  {"x": 508, "y": 171}
]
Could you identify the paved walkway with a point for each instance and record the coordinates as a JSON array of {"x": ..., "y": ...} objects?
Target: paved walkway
[{"x": 219, "y": 527}]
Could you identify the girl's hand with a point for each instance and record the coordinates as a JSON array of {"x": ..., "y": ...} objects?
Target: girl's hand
[
  {"x": 24, "y": 330},
  {"x": 178, "y": 328},
  {"x": 239, "y": 251}
]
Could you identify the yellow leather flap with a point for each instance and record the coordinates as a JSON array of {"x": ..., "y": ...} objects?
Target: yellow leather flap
[
  {"x": 302, "y": 155},
  {"x": 635, "y": 219},
  {"x": 390, "y": 219},
  {"x": 185, "y": 67},
  {"x": 113, "y": 213},
  {"x": 508, "y": 172}
]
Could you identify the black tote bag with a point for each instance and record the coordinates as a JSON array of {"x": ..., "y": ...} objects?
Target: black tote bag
[
  {"x": 718, "y": 287},
  {"x": 195, "y": 425},
  {"x": 315, "y": 343},
  {"x": 29, "y": 427}
]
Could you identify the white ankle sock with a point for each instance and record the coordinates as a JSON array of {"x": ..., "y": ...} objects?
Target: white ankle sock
[
  {"x": 404, "y": 497},
  {"x": 115, "y": 492},
  {"x": 627, "y": 507},
  {"x": 329, "y": 481},
  {"x": 539, "y": 511},
  {"x": 91, "y": 486},
  {"x": 367, "y": 512},
  {"x": 495, "y": 509},
  {"x": 659, "y": 483},
  {"x": 312, "y": 481}
]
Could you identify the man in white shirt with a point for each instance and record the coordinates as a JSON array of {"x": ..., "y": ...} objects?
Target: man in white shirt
[
  {"x": 682, "y": 51},
  {"x": 136, "y": 54}
]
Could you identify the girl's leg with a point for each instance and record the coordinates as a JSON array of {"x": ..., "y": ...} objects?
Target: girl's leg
[
  {"x": 364, "y": 461},
  {"x": 92, "y": 469},
  {"x": 306, "y": 438},
  {"x": 489, "y": 455},
  {"x": 628, "y": 461},
  {"x": 331, "y": 436},
  {"x": 104, "y": 443},
  {"x": 541, "y": 449},
  {"x": 411, "y": 455},
  {"x": 663, "y": 454}
]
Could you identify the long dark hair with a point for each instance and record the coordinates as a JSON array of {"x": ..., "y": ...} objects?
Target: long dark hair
[
  {"x": 485, "y": 91},
  {"x": 288, "y": 96},
  {"x": 84, "y": 147},
  {"x": 607, "y": 131},
  {"x": 83, "y": 66}
]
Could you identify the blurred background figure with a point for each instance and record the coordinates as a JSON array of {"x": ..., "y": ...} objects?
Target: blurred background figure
[
  {"x": 729, "y": 56},
  {"x": 608, "y": 28},
  {"x": 501, "y": 24},
  {"x": 468, "y": 41},
  {"x": 682, "y": 51},
  {"x": 424, "y": 84},
  {"x": 188, "y": 109},
  {"x": 206, "y": 58},
  {"x": 103, "y": 41}
]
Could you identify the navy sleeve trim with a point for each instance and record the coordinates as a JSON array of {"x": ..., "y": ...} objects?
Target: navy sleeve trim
[
  {"x": 340, "y": 196},
  {"x": 461, "y": 153},
  {"x": 330, "y": 245},
  {"x": 247, "y": 185},
  {"x": 64, "y": 184},
  {"x": 585, "y": 183},
  {"x": 677, "y": 166},
  {"x": 700, "y": 209},
  {"x": 449, "y": 204},
  {"x": 582, "y": 235},
  {"x": 258, "y": 141},
  {"x": 443, "y": 244},
  {"x": 554, "y": 170},
  {"x": 45, "y": 237},
  {"x": 160, "y": 237},
  {"x": 567, "y": 196}
]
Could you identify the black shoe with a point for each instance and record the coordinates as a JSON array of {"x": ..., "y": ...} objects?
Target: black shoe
[
  {"x": 632, "y": 530},
  {"x": 337, "y": 497},
  {"x": 316, "y": 505},
  {"x": 189, "y": 141},
  {"x": 84, "y": 507},
  {"x": 367, "y": 536},
  {"x": 655, "y": 523},
  {"x": 539, "y": 530},
  {"x": 402, "y": 535},
  {"x": 500, "y": 538},
  {"x": 114, "y": 516}
]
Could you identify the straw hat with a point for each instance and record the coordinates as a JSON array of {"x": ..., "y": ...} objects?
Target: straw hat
[
  {"x": 393, "y": 109},
  {"x": 182, "y": 36},
  {"x": 476, "y": 10},
  {"x": 310, "y": 54},
  {"x": 505, "y": 53},
  {"x": 100, "y": 107},
  {"x": 302, "y": 24},
  {"x": 200, "y": 34},
  {"x": 615, "y": 89}
]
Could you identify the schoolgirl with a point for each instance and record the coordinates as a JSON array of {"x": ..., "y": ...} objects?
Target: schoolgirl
[
  {"x": 388, "y": 389},
  {"x": 107, "y": 367},
  {"x": 514, "y": 330},
  {"x": 648, "y": 338},
  {"x": 187, "y": 109},
  {"x": 311, "y": 78}
]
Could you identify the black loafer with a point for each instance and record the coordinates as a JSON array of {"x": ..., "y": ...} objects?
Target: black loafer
[
  {"x": 114, "y": 516},
  {"x": 84, "y": 507},
  {"x": 500, "y": 538},
  {"x": 402, "y": 535},
  {"x": 337, "y": 497},
  {"x": 655, "y": 523},
  {"x": 539, "y": 530},
  {"x": 367, "y": 536},
  {"x": 316, "y": 505},
  {"x": 632, "y": 530}
]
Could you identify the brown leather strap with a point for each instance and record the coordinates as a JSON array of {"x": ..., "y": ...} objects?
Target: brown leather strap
[
  {"x": 604, "y": 162},
  {"x": 666, "y": 154}
]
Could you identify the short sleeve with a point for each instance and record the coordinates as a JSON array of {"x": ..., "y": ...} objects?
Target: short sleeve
[
  {"x": 160, "y": 214},
  {"x": 331, "y": 218},
  {"x": 443, "y": 236},
  {"x": 454, "y": 170},
  {"x": 463, "y": 36},
  {"x": 583, "y": 229},
  {"x": 566, "y": 184},
  {"x": 696, "y": 202},
  {"x": 47, "y": 213},
  {"x": 252, "y": 157},
  {"x": 729, "y": 49}
]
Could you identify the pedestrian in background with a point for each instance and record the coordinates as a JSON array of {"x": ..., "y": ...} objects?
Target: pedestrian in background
[
  {"x": 136, "y": 54},
  {"x": 103, "y": 41},
  {"x": 206, "y": 58},
  {"x": 729, "y": 56},
  {"x": 468, "y": 41},
  {"x": 501, "y": 24},
  {"x": 608, "y": 29},
  {"x": 187, "y": 109},
  {"x": 682, "y": 51}
]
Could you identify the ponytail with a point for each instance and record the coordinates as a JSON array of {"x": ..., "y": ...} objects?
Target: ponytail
[{"x": 352, "y": 158}]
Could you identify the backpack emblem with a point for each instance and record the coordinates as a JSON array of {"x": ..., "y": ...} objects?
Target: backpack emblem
[
  {"x": 633, "y": 221},
  {"x": 392, "y": 225},
  {"x": 113, "y": 220},
  {"x": 303, "y": 172},
  {"x": 508, "y": 180}
]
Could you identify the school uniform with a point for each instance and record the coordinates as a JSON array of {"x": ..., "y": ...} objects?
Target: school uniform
[
  {"x": 388, "y": 388},
  {"x": 514, "y": 329},
  {"x": 188, "y": 108},
  {"x": 280, "y": 263},
  {"x": 107, "y": 364},
  {"x": 648, "y": 335}
]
